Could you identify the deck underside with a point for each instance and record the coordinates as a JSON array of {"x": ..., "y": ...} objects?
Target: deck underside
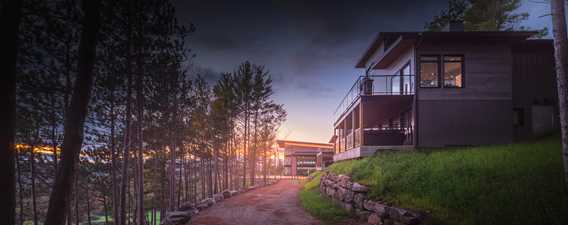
[{"x": 364, "y": 151}]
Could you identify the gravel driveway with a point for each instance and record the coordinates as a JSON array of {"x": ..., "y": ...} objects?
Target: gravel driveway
[{"x": 277, "y": 204}]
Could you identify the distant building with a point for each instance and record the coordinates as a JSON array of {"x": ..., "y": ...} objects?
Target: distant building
[{"x": 301, "y": 158}]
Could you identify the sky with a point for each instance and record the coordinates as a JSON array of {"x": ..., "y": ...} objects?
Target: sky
[{"x": 310, "y": 47}]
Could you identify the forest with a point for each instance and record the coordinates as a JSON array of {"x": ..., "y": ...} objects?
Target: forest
[
  {"x": 158, "y": 131},
  {"x": 108, "y": 118}
]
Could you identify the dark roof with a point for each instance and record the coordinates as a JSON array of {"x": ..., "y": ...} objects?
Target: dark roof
[{"x": 461, "y": 35}]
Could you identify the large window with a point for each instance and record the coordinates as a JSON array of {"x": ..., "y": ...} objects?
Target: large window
[
  {"x": 451, "y": 67},
  {"x": 453, "y": 71},
  {"x": 429, "y": 71}
]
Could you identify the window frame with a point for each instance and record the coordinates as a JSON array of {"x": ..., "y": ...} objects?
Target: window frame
[
  {"x": 437, "y": 61},
  {"x": 443, "y": 68}
]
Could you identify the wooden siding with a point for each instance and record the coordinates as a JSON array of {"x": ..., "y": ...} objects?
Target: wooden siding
[
  {"x": 481, "y": 112},
  {"x": 464, "y": 123},
  {"x": 534, "y": 82},
  {"x": 488, "y": 72}
]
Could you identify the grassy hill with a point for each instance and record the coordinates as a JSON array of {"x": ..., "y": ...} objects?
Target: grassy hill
[
  {"x": 520, "y": 183},
  {"x": 319, "y": 206}
]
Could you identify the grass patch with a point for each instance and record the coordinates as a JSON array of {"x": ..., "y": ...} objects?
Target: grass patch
[
  {"x": 319, "y": 206},
  {"x": 520, "y": 183}
]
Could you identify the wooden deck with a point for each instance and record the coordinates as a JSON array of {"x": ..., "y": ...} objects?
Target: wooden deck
[{"x": 364, "y": 151}]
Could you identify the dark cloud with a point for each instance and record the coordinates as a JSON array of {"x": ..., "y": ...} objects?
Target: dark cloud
[
  {"x": 314, "y": 88},
  {"x": 295, "y": 38},
  {"x": 217, "y": 42}
]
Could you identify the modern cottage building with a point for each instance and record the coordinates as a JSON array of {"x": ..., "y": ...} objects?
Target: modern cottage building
[
  {"x": 302, "y": 158},
  {"x": 435, "y": 89}
]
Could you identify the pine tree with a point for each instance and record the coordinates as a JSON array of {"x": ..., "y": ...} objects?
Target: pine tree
[{"x": 74, "y": 120}]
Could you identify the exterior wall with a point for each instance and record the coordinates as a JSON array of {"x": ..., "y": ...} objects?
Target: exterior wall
[
  {"x": 300, "y": 158},
  {"x": 534, "y": 89},
  {"x": 481, "y": 111},
  {"x": 458, "y": 123}
]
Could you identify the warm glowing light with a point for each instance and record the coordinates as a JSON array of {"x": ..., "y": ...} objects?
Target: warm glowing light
[{"x": 40, "y": 149}]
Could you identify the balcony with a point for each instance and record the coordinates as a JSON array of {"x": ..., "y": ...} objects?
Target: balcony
[
  {"x": 377, "y": 113},
  {"x": 375, "y": 85}
]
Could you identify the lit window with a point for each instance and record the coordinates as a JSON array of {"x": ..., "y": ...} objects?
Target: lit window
[
  {"x": 453, "y": 71},
  {"x": 429, "y": 71}
]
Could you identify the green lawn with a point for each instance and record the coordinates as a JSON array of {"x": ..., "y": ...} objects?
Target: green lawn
[
  {"x": 509, "y": 184},
  {"x": 100, "y": 219},
  {"x": 319, "y": 206}
]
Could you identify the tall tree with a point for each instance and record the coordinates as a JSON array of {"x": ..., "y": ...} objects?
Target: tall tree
[
  {"x": 243, "y": 80},
  {"x": 262, "y": 90},
  {"x": 454, "y": 13},
  {"x": 74, "y": 120},
  {"x": 10, "y": 23},
  {"x": 561, "y": 56},
  {"x": 494, "y": 15},
  {"x": 482, "y": 15}
]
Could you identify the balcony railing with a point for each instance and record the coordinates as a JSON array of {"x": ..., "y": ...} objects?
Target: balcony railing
[{"x": 375, "y": 85}]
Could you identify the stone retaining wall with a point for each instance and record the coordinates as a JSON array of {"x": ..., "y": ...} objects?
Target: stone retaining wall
[{"x": 352, "y": 196}]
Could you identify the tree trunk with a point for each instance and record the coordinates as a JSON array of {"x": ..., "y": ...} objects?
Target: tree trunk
[
  {"x": 88, "y": 205},
  {"x": 245, "y": 142},
  {"x": 561, "y": 56},
  {"x": 21, "y": 190},
  {"x": 254, "y": 148},
  {"x": 10, "y": 23},
  {"x": 140, "y": 214},
  {"x": 172, "y": 179},
  {"x": 33, "y": 173},
  {"x": 128, "y": 130},
  {"x": 105, "y": 206},
  {"x": 76, "y": 186},
  {"x": 74, "y": 120},
  {"x": 140, "y": 209},
  {"x": 113, "y": 161}
]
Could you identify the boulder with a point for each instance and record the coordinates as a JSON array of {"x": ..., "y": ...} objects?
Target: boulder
[
  {"x": 331, "y": 177},
  {"x": 201, "y": 206},
  {"x": 226, "y": 194},
  {"x": 187, "y": 206},
  {"x": 348, "y": 207},
  {"x": 374, "y": 219},
  {"x": 375, "y": 207},
  {"x": 396, "y": 213},
  {"x": 218, "y": 197},
  {"x": 177, "y": 217},
  {"x": 356, "y": 187},
  {"x": 330, "y": 192},
  {"x": 340, "y": 194},
  {"x": 205, "y": 203},
  {"x": 348, "y": 197},
  {"x": 362, "y": 214},
  {"x": 358, "y": 199},
  {"x": 234, "y": 192},
  {"x": 328, "y": 182},
  {"x": 344, "y": 181}
]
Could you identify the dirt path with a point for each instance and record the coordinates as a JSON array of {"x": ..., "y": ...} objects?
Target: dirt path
[{"x": 277, "y": 204}]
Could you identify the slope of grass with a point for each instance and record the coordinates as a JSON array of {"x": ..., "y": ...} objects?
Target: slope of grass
[
  {"x": 319, "y": 206},
  {"x": 520, "y": 183}
]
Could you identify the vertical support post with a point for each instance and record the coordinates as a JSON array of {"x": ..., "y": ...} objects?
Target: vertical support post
[
  {"x": 361, "y": 123},
  {"x": 353, "y": 127}
]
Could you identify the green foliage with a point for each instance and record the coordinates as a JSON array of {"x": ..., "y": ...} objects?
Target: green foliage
[
  {"x": 319, "y": 206},
  {"x": 509, "y": 184},
  {"x": 454, "y": 13},
  {"x": 494, "y": 15},
  {"x": 482, "y": 15}
]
